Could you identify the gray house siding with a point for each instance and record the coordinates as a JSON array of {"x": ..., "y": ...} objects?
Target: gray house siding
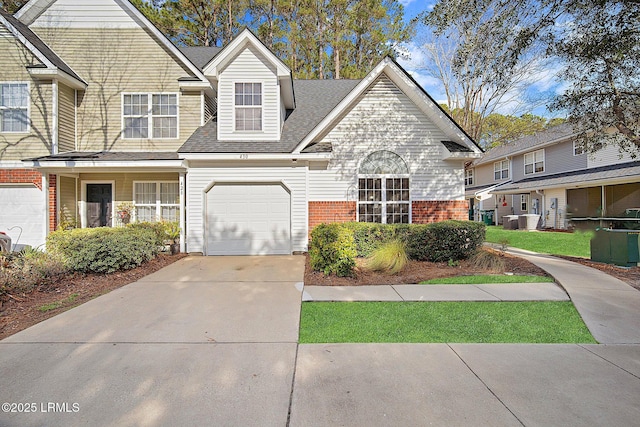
[{"x": 557, "y": 158}]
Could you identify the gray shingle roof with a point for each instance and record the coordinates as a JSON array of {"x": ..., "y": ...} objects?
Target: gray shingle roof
[
  {"x": 314, "y": 100},
  {"x": 200, "y": 55},
  {"x": 621, "y": 170},
  {"x": 32, "y": 38},
  {"x": 527, "y": 142},
  {"x": 109, "y": 156}
]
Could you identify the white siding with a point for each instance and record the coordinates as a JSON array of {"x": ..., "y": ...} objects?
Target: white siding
[
  {"x": 384, "y": 118},
  {"x": 609, "y": 155},
  {"x": 85, "y": 14},
  {"x": 555, "y": 218},
  {"x": 249, "y": 66},
  {"x": 201, "y": 176}
]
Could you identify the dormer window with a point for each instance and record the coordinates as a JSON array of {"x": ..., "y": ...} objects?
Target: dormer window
[{"x": 248, "y": 106}]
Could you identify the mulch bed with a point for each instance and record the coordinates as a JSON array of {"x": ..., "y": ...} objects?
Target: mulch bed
[
  {"x": 18, "y": 312},
  {"x": 416, "y": 272}
]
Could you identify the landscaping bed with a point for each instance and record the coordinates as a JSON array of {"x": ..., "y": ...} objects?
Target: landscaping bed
[
  {"x": 18, "y": 312},
  {"x": 416, "y": 272}
]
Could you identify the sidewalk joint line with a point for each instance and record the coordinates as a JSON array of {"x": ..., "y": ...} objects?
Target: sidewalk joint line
[
  {"x": 485, "y": 384},
  {"x": 609, "y": 361}
]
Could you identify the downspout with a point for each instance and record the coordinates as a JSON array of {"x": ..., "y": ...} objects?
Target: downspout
[
  {"x": 182, "y": 212},
  {"x": 54, "y": 116}
]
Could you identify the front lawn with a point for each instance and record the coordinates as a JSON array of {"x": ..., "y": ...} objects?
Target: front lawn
[
  {"x": 442, "y": 322},
  {"x": 484, "y": 279},
  {"x": 546, "y": 242}
]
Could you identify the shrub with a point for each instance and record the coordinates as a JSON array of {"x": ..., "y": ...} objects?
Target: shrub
[
  {"x": 21, "y": 272},
  {"x": 159, "y": 229},
  {"x": 444, "y": 241},
  {"x": 390, "y": 257},
  {"x": 369, "y": 236},
  {"x": 104, "y": 249},
  {"x": 333, "y": 249}
]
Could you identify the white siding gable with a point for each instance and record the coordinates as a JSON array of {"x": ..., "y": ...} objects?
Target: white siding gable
[
  {"x": 249, "y": 66},
  {"x": 385, "y": 118},
  {"x": 85, "y": 14}
]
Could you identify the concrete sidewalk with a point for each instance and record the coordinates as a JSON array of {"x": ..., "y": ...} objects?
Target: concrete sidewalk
[
  {"x": 489, "y": 292},
  {"x": 609, "y": 307}
]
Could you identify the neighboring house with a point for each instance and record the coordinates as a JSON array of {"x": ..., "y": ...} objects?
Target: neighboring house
[
  {"x": 224, "y": 141},
  {"x": 550, "y": 175}
]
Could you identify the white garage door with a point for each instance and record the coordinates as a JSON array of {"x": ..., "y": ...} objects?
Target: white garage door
[
  {"x": 22, "y": 215},
  {"x": 248, "y": 219}
]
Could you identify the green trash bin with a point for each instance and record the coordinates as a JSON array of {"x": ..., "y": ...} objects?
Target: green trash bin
[
  {"x": 619, "y": 247},
  {"x": 487, "y": 217}
]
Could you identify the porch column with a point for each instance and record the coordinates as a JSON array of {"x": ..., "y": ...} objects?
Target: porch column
[
  {"x": 45, "y": 194},
  {"x": 182, "y": 212}
]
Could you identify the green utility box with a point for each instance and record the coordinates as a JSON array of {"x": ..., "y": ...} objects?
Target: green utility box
[
  {"x": 619, "y": 247},
  {"x": 487, "y": 217}
]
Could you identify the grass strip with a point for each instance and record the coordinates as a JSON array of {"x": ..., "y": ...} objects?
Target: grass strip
[
  {"x": 546, "y": 242},
  {"x": 442, "y": 322},
  {"x": 484, "y": 279}
]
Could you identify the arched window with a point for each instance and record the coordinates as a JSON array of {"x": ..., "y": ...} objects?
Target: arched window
[{"x": 383, "y": 189}]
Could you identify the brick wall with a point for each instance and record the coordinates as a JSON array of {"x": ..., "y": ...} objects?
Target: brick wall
[
  {"x": 320, "y": 212},
  {"x": 21, "y": 176},
  {"x": 53, "y": 203},
  {"x": 424, "y": 212}
]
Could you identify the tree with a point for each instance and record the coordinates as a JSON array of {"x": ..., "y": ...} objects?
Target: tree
[
  {"x": 502, "y": 129},
  {"x": 597, "y": 40},
  {"x": 464, "y": 57},
  {"x": 12, "y": 6}
]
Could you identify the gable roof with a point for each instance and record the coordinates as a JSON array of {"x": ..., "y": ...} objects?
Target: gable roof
[
  {"x": 37, "y": 47},
  {"x": 412, "y": 89},
  {"x": 28, "y": 13},
  {"x": 314, "y": 100},
  {"x": 527, "y": 143}
]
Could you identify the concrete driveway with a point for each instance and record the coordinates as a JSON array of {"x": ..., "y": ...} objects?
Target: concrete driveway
[{"x": 206, "y": 341}]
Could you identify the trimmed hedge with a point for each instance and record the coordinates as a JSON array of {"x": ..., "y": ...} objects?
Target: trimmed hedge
[
  {"x": 333, "y": 249},
  {"x": 335, "y": 246},
  {"x": 104, "y": 249}
]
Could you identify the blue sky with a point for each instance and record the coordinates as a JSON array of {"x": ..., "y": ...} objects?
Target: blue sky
[{"x": 543, "y": 82}]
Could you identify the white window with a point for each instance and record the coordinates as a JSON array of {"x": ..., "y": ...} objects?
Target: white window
[
  {"x": 501, "y": 170},
  {"x": 156, "y": 201},
  {"x": 14, "y": 107},
  {"x": 146, "y": 115},
  {"x": 248, "y": 106},
  {"x": 534, "y": 162},
  {"x": 468, "y": 177},
  {"x": 524, "y": 202},
  {"x": 383, "y": 189},
  {"x": 578, "y": 148}
]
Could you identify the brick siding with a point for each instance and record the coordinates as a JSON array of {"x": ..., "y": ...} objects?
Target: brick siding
[
  {"x": 320, "y": 212},
  {"x": 53, "y": 203},
  {"x": 21, "y": 176},
  {"x": 424, "y": 212}
]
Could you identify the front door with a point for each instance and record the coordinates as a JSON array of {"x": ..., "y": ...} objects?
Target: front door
[{"x": 99, "y": 200}]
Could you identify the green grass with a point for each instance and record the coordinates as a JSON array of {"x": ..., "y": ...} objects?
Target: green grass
[
  {"x": 442, "y": 322},
  {"x": 57, "y": 304},
  {"x": 547, "y": 242},
  {"x": 483, "y": 279}
]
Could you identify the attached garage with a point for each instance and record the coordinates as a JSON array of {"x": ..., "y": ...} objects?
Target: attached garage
[
  {"x": 248, "y": 219},
  {"x": 22, "y": 214}
]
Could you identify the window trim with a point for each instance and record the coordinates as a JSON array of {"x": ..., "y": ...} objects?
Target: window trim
[
  {"x": 501, "y": 170},
  {"x": 383, "y": 199},
  {"x": 28, "y": 129},
  {"x": 235, "y": 106},
  {"x": 149, "y": 116},
  {"x": 158, "y": 205},
  {"x": 576, "y": 148},
  {"x": 468, "y": 176},
  {"x": 533, "y": 153}
]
